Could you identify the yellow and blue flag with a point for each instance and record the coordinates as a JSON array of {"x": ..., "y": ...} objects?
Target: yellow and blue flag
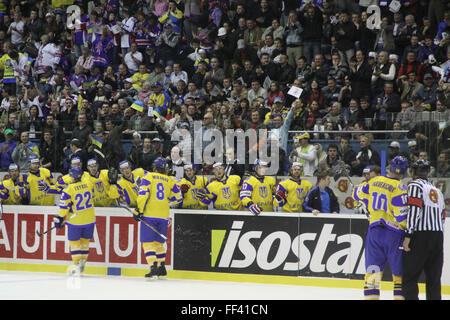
[
  {"x": 138, "y": 105},
  {"x": 97, "y": 141}
]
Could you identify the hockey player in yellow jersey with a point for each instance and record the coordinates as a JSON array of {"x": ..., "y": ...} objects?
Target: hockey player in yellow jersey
[
  {"x": 190, "y": 184},
  {"x": 157, "y": 194},
  {"x": 104, "y": 196},
  {"x": 360, "y": 191},
  {"x": 258, "y": 190},
  {"x": 290, "y": 193},
  {"x": 127, "y": 187},
  {"x": 12, "y": 190},
  {"x": 388, "y": 209},
  {"x": 66, "y": 179},
  {"x": 37, "y": 183},
  {"x": 223, "y": 192},
  {"x": 76, "y": 209}
]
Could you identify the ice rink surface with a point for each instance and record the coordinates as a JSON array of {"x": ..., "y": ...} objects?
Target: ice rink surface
[{"x": 15, "y": 285}]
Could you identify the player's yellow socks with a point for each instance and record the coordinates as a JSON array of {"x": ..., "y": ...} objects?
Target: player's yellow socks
[
  {"x": 75, "y": 251},
  {"x": 398, "y": 293},
  {"x": 84, "y": 247},
  {"x": 149, "y": 252},
  {"x": 372, "y": 286},
  {"x": 160, "y": 252}
]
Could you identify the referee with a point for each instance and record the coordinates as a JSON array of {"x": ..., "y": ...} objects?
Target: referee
[{"x": 423, "y": 245}]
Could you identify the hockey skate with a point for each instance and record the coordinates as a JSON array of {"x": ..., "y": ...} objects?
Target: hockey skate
[
  {"x": 74, "y": 270},
  {"x": 162, "y": 273},
  {"x": 153, "y": 274},
  {"x": 82, "y": 265}
]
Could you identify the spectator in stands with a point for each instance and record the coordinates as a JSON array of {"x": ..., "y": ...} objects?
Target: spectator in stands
[
  {"x": 346, "y": 151},
  {"x": 6, "y": 149},
  {"x": 366, "y": 156},
  {"x": 292, "y": 35},
  {"x": 24, "y": 150},
  {"x": 305, "y": 153},
  {"x": 442, "y": 166},
  {"x": 408, "y": 86},
  {"x": 360, "y": 76},
  {"x": 428, "y": 92}
]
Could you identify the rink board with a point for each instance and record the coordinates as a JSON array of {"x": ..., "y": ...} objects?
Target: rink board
[
  {"x": 295, "y": 249},
  {"x": 114, "y": 250}
]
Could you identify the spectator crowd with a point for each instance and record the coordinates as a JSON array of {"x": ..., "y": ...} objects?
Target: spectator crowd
[{"x": 137, "y": 70}]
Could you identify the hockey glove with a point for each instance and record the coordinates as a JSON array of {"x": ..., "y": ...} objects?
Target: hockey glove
[
  {"x": 184, "y": 188},
  {"x": 43, "y": 186},
  {"x": 361, "y": 208},
  {"x": 137, "y": 215},
  {"x": 58, "y": 221},
  {"x": 280, "y": 196},
  {"x": 112, "y": 176},
  {"x": 255, "y": 209},
  {"x": 201, "y": 194}
]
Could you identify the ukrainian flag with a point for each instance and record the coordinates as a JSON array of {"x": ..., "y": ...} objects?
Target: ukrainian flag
[
  {"x": 97, "y": 141},
  {"x": 138, "y": 105}
]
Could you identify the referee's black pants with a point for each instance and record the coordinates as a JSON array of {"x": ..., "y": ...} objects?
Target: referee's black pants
[{"x": 427, "y": 254}]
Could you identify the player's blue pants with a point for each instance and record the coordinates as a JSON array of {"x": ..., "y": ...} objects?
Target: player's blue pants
[
  {"x": 382, "y": 245},
  {"x": 148, "y": 235}
]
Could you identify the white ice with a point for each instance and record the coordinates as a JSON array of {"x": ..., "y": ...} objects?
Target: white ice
[{"x": 17, "y": 285}]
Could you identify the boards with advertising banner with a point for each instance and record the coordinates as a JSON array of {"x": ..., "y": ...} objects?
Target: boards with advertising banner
[
  {"x": 115, "y": 244},
  {"x": 294, "y": 244}
]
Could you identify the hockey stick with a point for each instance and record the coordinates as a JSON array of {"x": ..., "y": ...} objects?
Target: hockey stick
[
  {"x": 144, "y": 222},
  {"x": 41, "y": 234}
]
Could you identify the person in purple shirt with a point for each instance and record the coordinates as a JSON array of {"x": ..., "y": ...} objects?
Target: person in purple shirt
[{"x": 6, "y": 149}]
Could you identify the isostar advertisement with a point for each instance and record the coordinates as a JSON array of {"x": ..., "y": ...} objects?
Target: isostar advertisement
[
  {"x": 115, "y": 243},
  {"x": 277, "y": 244},
  {"x": 327, "y": 245}
]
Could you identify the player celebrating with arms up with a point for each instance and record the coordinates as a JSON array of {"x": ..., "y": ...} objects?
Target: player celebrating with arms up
[
  {"x": 388, "y": 209},
  {"x": 77, "y": 205},
  {"x": 157, "y": 194}
]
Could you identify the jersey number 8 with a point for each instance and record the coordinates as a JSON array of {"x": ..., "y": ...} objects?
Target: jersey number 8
[{"x": 159, "y": 191}]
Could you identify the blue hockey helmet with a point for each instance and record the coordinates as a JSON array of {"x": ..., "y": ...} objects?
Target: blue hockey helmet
[
  {"x": 76, "y": 173},
  {"x": 399, "y": 165},
  {"x": 160, "y": 163}
]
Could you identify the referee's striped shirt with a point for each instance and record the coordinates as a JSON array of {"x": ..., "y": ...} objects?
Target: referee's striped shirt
[{"x": 426, "y": 207}]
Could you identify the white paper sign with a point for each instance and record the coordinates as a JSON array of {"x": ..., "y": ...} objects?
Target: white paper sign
[
  {"x": 116, "y": 29},
  {"x": 295, "y": 91}
]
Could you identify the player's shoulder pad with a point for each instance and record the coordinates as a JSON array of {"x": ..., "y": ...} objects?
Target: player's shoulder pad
[{"x": 235, "y": 179}]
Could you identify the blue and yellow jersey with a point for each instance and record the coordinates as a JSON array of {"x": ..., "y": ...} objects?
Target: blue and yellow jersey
[
  {"x": 224, "y": 194},
  {"x": 161, "y": 100},
  {"x": 360, "y": 193},
  {"x": 11, "y": 192},
  {"x": 65, "y": 181},
  {"x": 173, "y": 17},
  {"x": 31, "y": 185},
  {"x": 103, "y": 196},
  {"x": 129, "y": 188},
  {"x": 190, "y": 200},
  {"x": 296, "y": 191},
  {"x": 156, "y": 192},
  {"x": 387, "y": 203},
  {"x": 259, "y": 191},
  {"x": 78, "y": 198},
  {"x": 7, "y": 66}
]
